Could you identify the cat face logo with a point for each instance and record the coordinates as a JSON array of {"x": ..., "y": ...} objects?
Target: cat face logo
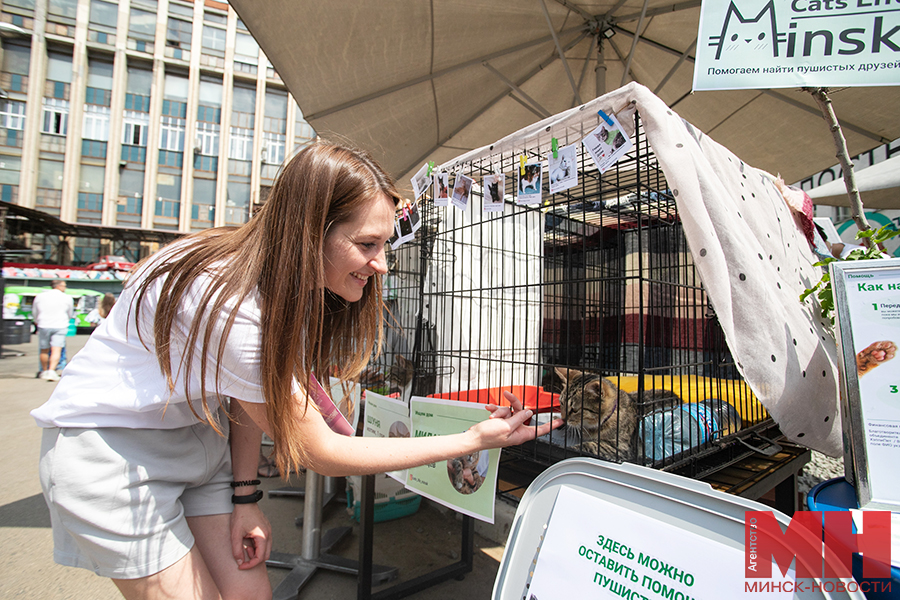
[{"x": 740, "y": 33}]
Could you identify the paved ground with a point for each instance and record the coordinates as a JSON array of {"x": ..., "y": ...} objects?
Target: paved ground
[{"x": 417, "y": 544}]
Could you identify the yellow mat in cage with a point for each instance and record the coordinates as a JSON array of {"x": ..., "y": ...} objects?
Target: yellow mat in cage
[{"x": 692, "y": 388}]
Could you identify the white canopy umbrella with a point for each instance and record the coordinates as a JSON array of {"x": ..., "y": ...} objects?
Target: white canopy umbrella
[
  {"x": 878, "y": 185},
  {"x": 413, "y": 81}
]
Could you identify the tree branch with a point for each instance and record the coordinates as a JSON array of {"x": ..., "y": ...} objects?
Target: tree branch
[{"x": 856, "y": 206}]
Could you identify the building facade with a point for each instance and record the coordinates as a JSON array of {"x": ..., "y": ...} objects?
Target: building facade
[{"x": 151, "y": 114}]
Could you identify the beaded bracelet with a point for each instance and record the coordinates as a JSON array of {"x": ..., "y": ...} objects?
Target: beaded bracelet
[
  {"x": 237, "y": 484},
  {"x": 248, "y": 499}
]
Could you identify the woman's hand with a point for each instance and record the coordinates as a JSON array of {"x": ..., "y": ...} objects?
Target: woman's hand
[
  {"x": 251, "y": 536},
  {"x": 506, "y": 425}
]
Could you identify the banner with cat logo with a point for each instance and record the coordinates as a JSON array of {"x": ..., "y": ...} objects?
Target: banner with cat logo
[
  {"x": 759, "y": 44},
  {"x": 465, "y": 483}
]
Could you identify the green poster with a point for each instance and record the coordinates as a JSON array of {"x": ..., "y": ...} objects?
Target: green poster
[
  {"x": 466, "y": 483},
  {"x": 386, "y": 417}
]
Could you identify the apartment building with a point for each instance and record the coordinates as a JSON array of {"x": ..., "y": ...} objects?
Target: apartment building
[{"x": 153, "y": 114}]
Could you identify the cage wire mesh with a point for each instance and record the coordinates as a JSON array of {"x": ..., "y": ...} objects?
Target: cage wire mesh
[{"x": 594, "y": 286}]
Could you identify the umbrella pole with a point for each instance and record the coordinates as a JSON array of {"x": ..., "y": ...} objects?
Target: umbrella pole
[{"x": 856, "y": 206}]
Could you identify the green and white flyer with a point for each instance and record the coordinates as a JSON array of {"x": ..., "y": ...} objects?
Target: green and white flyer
[
  {"x": 466, "y": 483},
  {"x": 386, "y": 417},
  {"x": 873, "y": 302}
]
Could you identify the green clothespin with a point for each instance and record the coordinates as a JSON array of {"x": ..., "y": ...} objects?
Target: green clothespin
[
  {"x": 430, "y": 167},
  {"x": 522, "y": 165},
  {"x": 554, "y": 145}
]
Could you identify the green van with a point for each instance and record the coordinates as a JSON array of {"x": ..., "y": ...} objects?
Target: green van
[{"x": 17, "y": 301}]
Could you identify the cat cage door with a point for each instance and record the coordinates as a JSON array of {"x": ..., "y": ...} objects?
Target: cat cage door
[{"x": 483, "y": 295}]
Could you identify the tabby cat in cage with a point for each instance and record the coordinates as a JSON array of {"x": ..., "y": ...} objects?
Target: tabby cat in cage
[
  {"x": 399, "y": 375},
  {"x": 604, "y": 416}
]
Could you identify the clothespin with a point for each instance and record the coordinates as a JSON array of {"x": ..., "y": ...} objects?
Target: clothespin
[
  {"x": 605, "y": 117},
  {"x": 430, "y": 167},
  {"x": 554, "y": 145},
  {"x": 522, "y": 165}
]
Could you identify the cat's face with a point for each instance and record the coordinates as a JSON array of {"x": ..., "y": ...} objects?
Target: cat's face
[
  {"x": 400, "y": 372},
  {"x": 463, "y": 474},
  {"x": 748, "y": 34},
  {"x": 586, "y": 398}
]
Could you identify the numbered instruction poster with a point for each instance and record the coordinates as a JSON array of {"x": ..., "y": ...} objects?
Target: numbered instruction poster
[
  {"x": 873, "y": 305},
  {"x": 596, "y": 549},
  {"x": 465, "y": 483}
]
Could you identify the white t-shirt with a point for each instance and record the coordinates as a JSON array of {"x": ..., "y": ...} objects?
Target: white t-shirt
[
  {"x": 114, "y": 381},
  {"x": 53, "y": 309}
]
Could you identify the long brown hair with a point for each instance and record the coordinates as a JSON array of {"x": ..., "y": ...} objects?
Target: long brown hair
[{"x": 305, "y": 328}]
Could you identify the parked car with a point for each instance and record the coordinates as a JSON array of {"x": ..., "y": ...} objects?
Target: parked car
[{"x": 111, "y": 263}]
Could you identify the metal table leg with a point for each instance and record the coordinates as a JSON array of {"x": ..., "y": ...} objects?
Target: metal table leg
[{"x": 315, "y": 546}]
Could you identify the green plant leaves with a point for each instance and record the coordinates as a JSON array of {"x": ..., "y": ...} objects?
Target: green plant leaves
[{"x": 822, "y": 289}]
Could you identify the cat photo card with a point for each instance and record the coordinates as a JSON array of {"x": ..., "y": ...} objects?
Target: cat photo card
[
  {"x": 441, "y": 188},
  {"x": 403, "y": 226},
  {"x": 415, "y": 220},
  {"x": 466, "y": 483},
  {"x": 607, "y": 144},
  {"x": 421, "y": 181},
  {"x": 494, "y": 187},
  {"x": 563, "y": 170},
  {"x": 386, "y": 417},
  {"x": 528, "y": 189},
  {"x": 462, "y": 188}
]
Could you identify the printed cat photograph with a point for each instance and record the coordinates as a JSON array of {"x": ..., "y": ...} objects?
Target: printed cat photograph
[
  {"x": 874, "y": 355},
  {"x": 467, "y": 472}
]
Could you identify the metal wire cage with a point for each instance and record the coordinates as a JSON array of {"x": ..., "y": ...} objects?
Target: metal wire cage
[{"x": 596, "y": 279}]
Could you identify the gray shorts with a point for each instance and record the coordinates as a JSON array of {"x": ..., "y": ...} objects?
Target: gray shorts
[
  {"x": 55, "y": 338},
  {"x": 118, "y": 498}
]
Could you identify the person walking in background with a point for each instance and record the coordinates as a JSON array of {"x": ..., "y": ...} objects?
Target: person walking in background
[{"x": 52, "y": 310}]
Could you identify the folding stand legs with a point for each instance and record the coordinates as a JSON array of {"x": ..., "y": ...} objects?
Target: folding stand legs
[
  {"x": 368, "y": 573},
  {"x": 315, "y": 545}
]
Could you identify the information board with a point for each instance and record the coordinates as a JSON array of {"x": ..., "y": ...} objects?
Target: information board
[{"x": 867, "y": 303}]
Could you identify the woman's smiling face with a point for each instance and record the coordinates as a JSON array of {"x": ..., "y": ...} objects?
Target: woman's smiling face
[{"x": 354, "y": 249}]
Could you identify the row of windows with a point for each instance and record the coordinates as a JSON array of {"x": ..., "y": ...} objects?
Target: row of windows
[
  {"x": 135, "y": 125},
  {"x": 103, "y": 22},
  {"x": 130, "y": 204}
]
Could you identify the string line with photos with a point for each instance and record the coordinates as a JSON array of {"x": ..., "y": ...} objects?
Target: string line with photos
[{"x": 557, "y": 171}]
